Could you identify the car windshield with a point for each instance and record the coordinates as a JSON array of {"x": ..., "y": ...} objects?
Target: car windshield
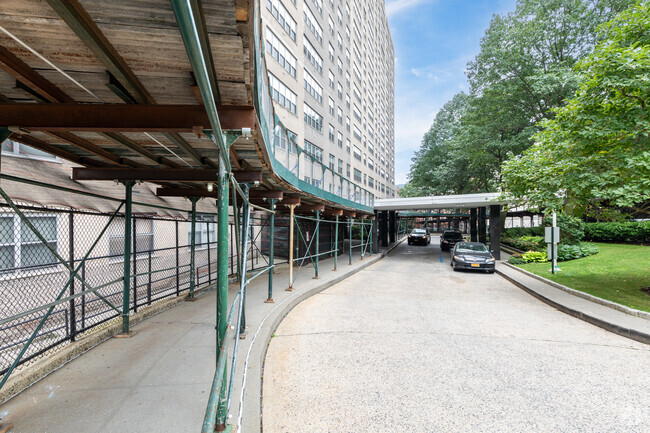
[
  {"x": 477, "y": 248},
  {"x": 452, "y": 235},
  {"x": 419, "y": 231}
]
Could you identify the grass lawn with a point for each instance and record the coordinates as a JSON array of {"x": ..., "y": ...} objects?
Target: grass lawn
[{"x": 617, "y": 273}]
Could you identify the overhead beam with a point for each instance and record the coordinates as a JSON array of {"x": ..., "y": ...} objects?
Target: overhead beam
[
  {"x": 120, "y": 117},
  {"x": 290, "y": 201},
  {"x": 334, "y": 212},
  {"x": 311, "y": 208},
  {"x": 189, "y": 150},
  {"x": 85, "y": 28},
  {"x": 349, "y": 214},
  {"x": 146, "y": 174},
  {"x": 186, "y": 192},
  {"x": 56, "y": 151},
  {"x": 247, "y": 176},
  {"x": 90, "y": 147},
  {"x": 22, "y": 72},
  {"x": 124, "y": 141},
  {"x": 266, "y": 194}
]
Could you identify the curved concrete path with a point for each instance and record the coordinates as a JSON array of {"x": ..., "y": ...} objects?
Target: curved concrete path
[{"x": 408, "y": 345}]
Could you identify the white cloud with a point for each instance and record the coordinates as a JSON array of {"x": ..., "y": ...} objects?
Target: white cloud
[{"x": 395, "y": 6}]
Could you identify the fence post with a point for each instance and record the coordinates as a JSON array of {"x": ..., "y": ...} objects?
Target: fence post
[
  {"x": 192, "y": 247},
  {"x": 336, "y": 242},
  {"x": 361, "y": 226},
  {"x": 83, "y": 298},
  {"x": 317, "y": 234},
  {"x": 178, "y": 270},
  {"x": 291, "y": 210},
  {"x": 73, "y": 312},
  {"x": 207, "y": 233},
  {"x": 350, "y": 236},
  {"x": 135, "y": 265},
  {"x": 372, "y": 226},
  {"x": 127, "y": 259},
  {"x": 269, "y": 299},
  {"x": 149, "y": 283}
]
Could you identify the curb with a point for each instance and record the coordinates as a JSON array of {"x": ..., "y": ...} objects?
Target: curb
[
  {"x": 611, "y": 327},
  {"x": 583, "y": 295},
  {"x": 22, "y": 380}
]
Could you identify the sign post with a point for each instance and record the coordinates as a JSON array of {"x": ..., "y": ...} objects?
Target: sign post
[{"x": 552, "y": 237}]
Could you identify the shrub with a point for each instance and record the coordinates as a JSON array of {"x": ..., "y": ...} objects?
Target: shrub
[
  {"x": 571, "y": 252},
  {"x": 517, "y": 232},
  {"x": 525, "y": 243},
  {"x": 516, "y": 259},
  {"x": 571, "y": 229},
  {"x": 535, "y": 256},
  {"x": 623, "y": 232}
]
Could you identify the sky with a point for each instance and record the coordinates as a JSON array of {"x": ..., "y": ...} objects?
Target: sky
[{"x": 433, "y": 41}]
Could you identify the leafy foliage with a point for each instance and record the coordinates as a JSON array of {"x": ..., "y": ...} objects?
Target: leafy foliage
[
  {"x": 621, "y": 232},
  {"x": 535, "y": 256},
  {"x": 526, "y": 243},
  {"x": 572, "y": 252},
  {"x": 596, "y": 150},
  {"x": 523, "y": 74},
  {"x": 571, "y": 229},
  {"x": 516, "y": 232}
]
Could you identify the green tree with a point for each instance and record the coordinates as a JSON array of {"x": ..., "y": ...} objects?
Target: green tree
[{"x": 595, "y": 152}]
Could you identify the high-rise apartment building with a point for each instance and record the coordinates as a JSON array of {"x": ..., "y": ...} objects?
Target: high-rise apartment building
[{"x": 331, "y": 73}]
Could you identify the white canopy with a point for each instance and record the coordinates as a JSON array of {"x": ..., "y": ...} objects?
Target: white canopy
[{"x": 461, "y": 201}]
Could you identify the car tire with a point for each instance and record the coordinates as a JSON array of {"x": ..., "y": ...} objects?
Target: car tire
[
  {"x": 454, "y": 268},
  {"x": 409, "y": 242},
  {"x": 490, "y": 272}
]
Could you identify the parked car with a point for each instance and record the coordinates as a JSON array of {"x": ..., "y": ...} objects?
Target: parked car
[
  {"x": 419, "y": 236},
  {"x": 472, "y": 255},
  {"x": 449, "y": 238}
]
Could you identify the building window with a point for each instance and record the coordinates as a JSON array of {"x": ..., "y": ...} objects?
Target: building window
[
  {"x": 332, "y": 159},
  {"x": 347, "y": 145},
  {"x": 330, "y": 24},
  {"x": 339, "y": 90},
  {"x": 282, "y": 94},
  {"x": 312, "y": 24},
  {"x": 313, "y": 88},
  {"x": 281, "y": 14},
  {"x": 340, "y": 166},
  {"x": 319, "y": 5},
  {"x": 313, "y": 119},
  {"x": 12, "y": 148},
  {"x": 357, "y": 175},
  {"x": 313, "y": 150},
  {"x": 339, "y": 139},
  {"x": 331, "y": 133},
  {"x": 357, "y": 133},
  {"x": 357, "y": 153},
  {"x": 347, "y": 170},
  {"x": 339, "y": 115},
  {"x": 204, "y": 231},
  {"x": 330, "y": 76},
  {"x": 330, "y": 52},
  {"x": 312, "y": 55},
  {"x": 19, "y": 246},
  {"x": 330, "y": 106},
  {"x": 280, "y": 53},
  {"x": 142, "y": 242},
  {"x": 282, "y": 138}
]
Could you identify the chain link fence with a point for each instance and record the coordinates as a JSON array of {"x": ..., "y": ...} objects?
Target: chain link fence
[{"x": 32, "y": 277}]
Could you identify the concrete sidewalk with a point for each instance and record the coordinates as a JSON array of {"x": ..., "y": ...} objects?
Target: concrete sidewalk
[
  {"x": 159, "y": 380},
  {"x": 608, "y": 315}
]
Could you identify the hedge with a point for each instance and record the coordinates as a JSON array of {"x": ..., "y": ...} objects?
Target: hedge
[
  {"x": 517, "y": 232},
  {"x": 620, "y": 232}
]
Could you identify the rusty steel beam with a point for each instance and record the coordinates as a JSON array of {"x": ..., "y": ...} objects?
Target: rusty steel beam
[
  {"x": 56, "y": 151},
  {"x": 311, "y": 208},
  {"x": 290, "y": 201},
  {"x": 266, "y": 194},
  {"x": 22, "y": 72},
  {"x": 333, "y": 212},
  {"x": 146, "y": 174},
  {"x": 186, "y": 192},
  {"x": 349, "y": 214},
  {"x": 247, "y": 176},
  {"x": 119, "y": 117},
  {"x": 76, "y": 17}
]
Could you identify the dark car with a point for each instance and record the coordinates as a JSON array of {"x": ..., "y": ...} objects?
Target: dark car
[
  {"x": 449, "y": 238},
  {"x": 472, "y": 255},
  {"x": 419, "y": 236}
]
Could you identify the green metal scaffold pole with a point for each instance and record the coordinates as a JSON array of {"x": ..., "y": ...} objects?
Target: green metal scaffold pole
[
  {"x": 317, "y": 235},
  {"x": 222, "y": 281},
  {"x": 126, "y": 301},
  {"x": 336, "y": 243},
  {"x": 193, "y": 248},
  {"x": 269, "y": 299}
]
